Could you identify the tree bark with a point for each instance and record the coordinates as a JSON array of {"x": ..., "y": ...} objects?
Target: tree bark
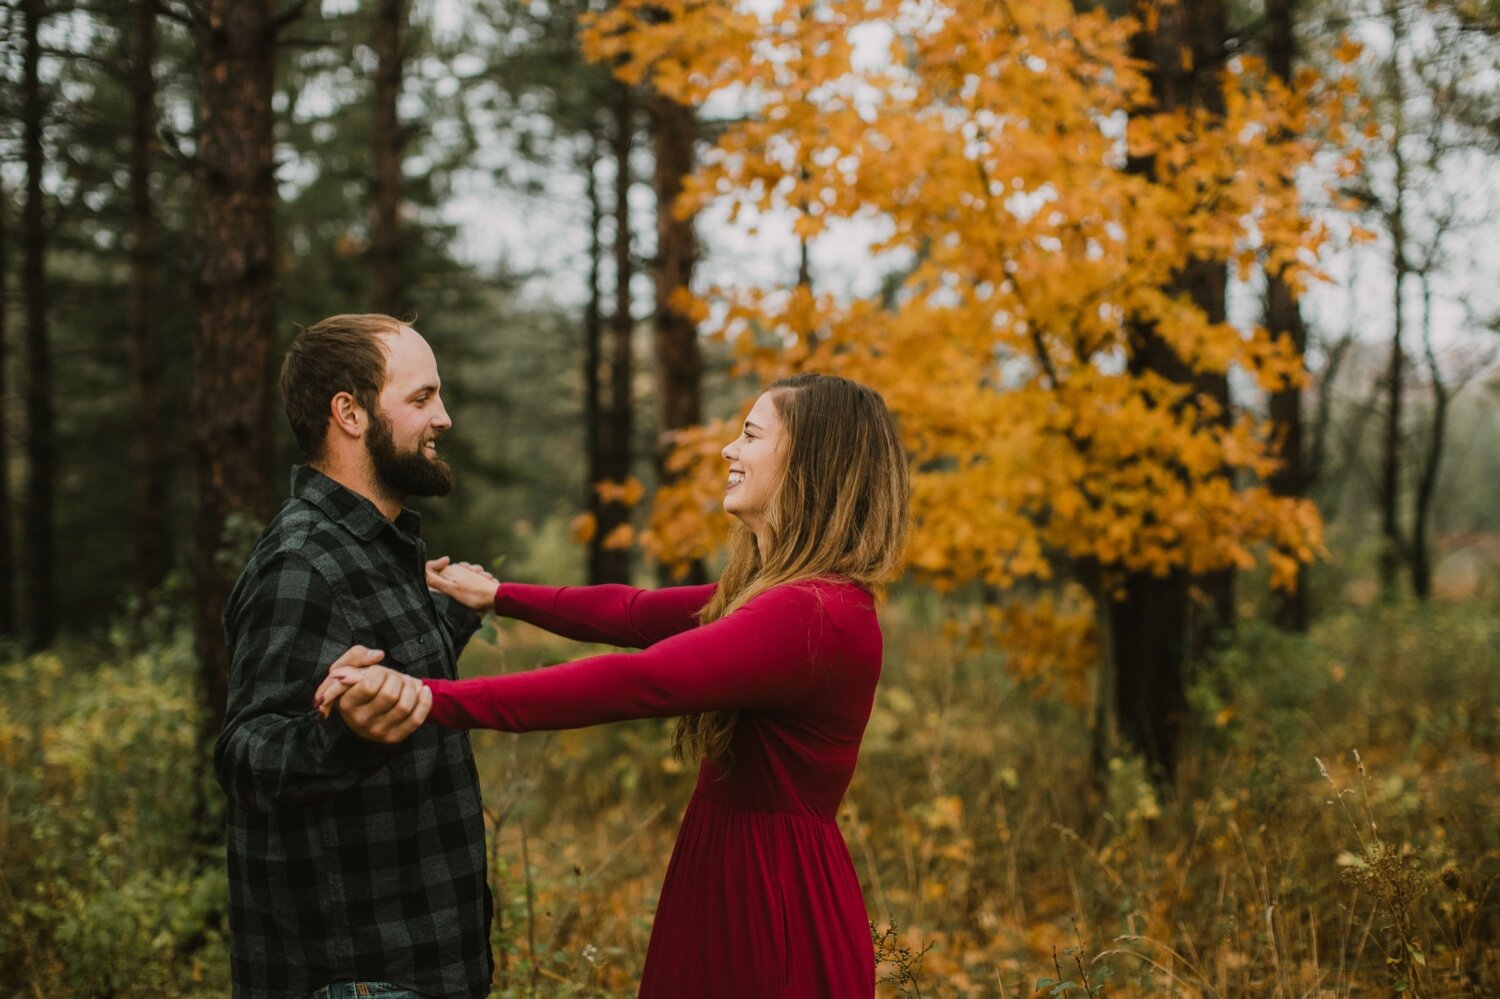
[
  {"x": 150, "y": 471},
  {"x": 388, "y": 291},
  {"x": 1150, "y": 623},
  {"x": 1390, "y": 466},
  {"x": 1205, "y": 29},
  {"x": 1150, "y": 632},
  {"x": 1391, "y": 553},
  {"x": 1421, "y": 546},
  {"x": 8, "y": 622},
  {"x": 236, "y": 312},
  {"x": 1154, "y": 624},
  {"x": 679, "y": 362},
  {"x": 40, "y": 591},
  {"x": 1211, "y": 615},
  {"x": 1284, "y": 319},
  {"x": 610, "y": 562},
  {"x": 593, "y": 347}
]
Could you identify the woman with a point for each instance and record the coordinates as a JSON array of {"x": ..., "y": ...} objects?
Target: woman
[{"x": 773, "y": 670}]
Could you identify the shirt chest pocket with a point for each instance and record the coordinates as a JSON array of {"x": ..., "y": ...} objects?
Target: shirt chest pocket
[
  {"x": 424, "y": 656},
  {"x": 391, "y": 614}
]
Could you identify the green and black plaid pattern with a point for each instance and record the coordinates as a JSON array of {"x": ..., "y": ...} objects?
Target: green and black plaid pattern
[{"x": 347, "y": 860}]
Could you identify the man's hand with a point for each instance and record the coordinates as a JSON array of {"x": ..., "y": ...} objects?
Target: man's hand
[
  {"x": 465, "y": 582},
  {"x": 377, "y": 703}
]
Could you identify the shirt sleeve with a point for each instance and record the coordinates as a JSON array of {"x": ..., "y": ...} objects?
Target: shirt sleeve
[
  {"x": 275, "y": 753},
  {"x": 611, "y": 614},
  {"x": 768, "y": 653}
]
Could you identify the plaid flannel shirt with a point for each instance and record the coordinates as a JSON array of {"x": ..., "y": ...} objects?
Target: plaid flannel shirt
[{"x": 347, "y": 860}]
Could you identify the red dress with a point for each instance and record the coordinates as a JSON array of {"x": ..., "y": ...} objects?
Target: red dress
[{"x": 760, "y": 899}]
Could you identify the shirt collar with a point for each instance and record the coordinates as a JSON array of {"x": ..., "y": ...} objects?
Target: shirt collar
[{"x": 356, "y": 513}]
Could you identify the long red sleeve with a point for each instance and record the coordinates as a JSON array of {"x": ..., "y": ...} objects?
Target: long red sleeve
[
  {"x": 611, "y": 614},
  {"x": 769, "y": 652},
  {"x": 760, "y": 877}
]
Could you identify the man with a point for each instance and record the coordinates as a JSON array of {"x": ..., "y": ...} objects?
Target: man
[{"x": 356, "y": 867}]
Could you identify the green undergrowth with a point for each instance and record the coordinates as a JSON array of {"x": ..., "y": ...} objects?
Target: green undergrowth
[{"x": 1333, "y": 829}]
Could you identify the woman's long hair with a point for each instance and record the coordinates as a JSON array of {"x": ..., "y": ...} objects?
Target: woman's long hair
[{"x": 841, "y": 509}]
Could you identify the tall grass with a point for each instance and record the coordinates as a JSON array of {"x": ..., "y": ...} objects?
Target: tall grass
[
  {"x": 995, "y": 863},
  {"x": 993, "y": 859}
]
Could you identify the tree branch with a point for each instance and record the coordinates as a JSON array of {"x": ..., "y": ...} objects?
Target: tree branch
[
  {"x": 188, "y": 17},
  {"x": 171, "y": 147},
  {"x": 286, "y": 17}
]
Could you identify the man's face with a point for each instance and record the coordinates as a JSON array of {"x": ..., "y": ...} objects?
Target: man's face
[{"x": 409, "y": 419}]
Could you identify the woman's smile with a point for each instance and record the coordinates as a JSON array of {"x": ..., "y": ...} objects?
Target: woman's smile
[{"x": 755, "y": 459}]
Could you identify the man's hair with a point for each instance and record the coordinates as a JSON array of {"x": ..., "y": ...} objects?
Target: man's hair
[
  {"x": 842, "y": 509},
  {"x": 337, "y": 354}
]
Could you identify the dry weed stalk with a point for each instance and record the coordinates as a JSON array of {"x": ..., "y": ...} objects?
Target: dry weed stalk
[{"x": 1393, "y": 876}]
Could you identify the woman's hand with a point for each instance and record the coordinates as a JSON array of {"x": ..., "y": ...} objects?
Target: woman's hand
[
  {"x": 465, "y": 582},
  {"x": 377, "y": 703}
]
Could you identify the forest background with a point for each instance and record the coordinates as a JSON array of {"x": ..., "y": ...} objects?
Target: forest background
[{"x": 1189, "y": 314}]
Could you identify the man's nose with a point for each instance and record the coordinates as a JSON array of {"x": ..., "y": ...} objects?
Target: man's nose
[{"x": 440, "y": 419}]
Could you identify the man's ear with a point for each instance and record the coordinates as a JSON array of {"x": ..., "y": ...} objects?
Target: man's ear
[{"x": 348, "y": 415}]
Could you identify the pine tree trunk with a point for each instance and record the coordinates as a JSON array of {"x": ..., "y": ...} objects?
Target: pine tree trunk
[
  {"x": 1421, "y": 528},
  {"x": 679, "y": 362},
  {"x": 1154, "y": 625},
  {"x": 593, "y": 347},
  {"x": 610, "y": 562},
  {"x": 1390, "y": 461},
  {"x": 236, "y": 311},
  {"x": 1391, "y": 553},
  {"x": 150, "y": 471},
  {"x": 8, "y": 623},
  {"x": 40, "y": 589},
  {"x": 387, "y": 289},
  {"x": 1284, "y": 319}
]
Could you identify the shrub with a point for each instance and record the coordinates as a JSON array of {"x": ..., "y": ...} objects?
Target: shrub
[{"x": 101, "y": 785}]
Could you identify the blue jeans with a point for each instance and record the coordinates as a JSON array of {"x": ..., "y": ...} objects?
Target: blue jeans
[{"x": 359, "y": 990}]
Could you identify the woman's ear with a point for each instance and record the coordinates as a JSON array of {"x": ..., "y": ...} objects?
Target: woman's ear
[{"x": 348, "y": 415}]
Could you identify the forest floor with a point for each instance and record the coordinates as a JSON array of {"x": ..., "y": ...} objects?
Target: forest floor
[{"x": 1333, "y": 829}]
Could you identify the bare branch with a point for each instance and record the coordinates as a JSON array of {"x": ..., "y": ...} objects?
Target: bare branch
[
  {"x": 286, "y": 17},
  {"x": 171, "y": 146},
  {"x": 188, "y": 16}
]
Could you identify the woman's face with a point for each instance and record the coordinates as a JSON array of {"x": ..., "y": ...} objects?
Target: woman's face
[{"x": 756, "y": 458}]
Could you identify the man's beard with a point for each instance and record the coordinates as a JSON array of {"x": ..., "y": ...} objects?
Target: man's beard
[{"x": 405, "y": 473}]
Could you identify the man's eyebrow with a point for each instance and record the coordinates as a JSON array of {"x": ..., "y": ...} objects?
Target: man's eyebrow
[{"x": 420, "y": 390}]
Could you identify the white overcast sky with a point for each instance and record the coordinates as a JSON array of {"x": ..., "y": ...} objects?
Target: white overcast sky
[{"x": 545, "y": 235}]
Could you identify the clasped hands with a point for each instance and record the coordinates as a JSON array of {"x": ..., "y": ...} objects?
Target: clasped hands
[{"x": 384, "y": 705}]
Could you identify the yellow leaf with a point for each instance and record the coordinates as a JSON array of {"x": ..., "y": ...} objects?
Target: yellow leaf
[{"x": 618, "y": 538}]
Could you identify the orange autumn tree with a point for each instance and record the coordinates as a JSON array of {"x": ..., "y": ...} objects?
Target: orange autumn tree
[{"x": 991, "y": 142}]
